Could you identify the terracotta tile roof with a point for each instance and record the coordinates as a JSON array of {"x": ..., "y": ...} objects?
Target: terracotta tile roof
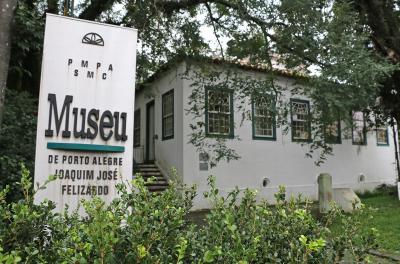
[{"x": 218, "y": 61}]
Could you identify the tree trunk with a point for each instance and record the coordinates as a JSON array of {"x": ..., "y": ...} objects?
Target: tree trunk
[
  {"x": 396, "y": 142},
  {"x": 7, "y": 8},
  {"x": 52, "y": 6},
  {"x": 396, "y": 152}
]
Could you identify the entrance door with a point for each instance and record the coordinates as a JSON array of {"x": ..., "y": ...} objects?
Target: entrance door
[{"x": 150, "y": 131}]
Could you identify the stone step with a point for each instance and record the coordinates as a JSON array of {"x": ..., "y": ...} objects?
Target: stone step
[
  {"x": 146, "y": 169},
  {"x": 158, "y": 177},
  {"x": 146, "y": 177},
  {"x": 144, "y": 165},
  {"x": 150, "y": 173},
  {"x": 155, "y": 179},
  {"x": 157, "y": 188},
  {"x": 157, "y": 183}
]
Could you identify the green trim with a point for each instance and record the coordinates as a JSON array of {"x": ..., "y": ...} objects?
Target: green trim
[
  {"x": 387, "y": 138},
  {"x": 85, "y": 147},
  {"x": 258, "y": 137},
  {"x": 163, "y": 137},
  {"x": 231, "y": 125},
  {"x": 292, "y": 100},
  {"x": 364, "y": 143}
]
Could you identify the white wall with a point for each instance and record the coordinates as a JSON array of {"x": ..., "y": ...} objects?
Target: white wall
[
  {"x": 168, "y": 153},
  {"x": 284, "y": 162}
]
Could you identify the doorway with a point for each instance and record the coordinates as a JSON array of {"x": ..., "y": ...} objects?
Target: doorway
[{"x": 150, "y": 132}]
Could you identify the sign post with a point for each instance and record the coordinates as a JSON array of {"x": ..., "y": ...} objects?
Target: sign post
[{"x": 86, "y": 106}]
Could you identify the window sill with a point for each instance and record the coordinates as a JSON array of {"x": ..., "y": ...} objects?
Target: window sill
[
  {"x": 264, "y": 138},
  {"x": 359, "y": 144},
  {"x": 301, "y": 140},
  {"x": 383, "y": 145},
  {"x": 167, "y": 138},
  {"x": 230, "y": 136}
]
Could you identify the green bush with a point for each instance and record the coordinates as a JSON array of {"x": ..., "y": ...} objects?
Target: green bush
[
  {"x": 383, "y": 189},
  {"x": 17, "y": 139},
  {"x": 144, "y": 227}
]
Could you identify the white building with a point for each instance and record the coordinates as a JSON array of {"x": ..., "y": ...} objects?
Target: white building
[{"x": 269, "y": 156}]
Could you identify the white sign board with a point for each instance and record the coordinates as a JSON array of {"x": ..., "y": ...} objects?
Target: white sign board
[{"x": 86, "y": 106}]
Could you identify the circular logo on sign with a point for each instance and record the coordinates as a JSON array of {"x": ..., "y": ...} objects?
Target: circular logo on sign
[{"x": 93, "y": 39}]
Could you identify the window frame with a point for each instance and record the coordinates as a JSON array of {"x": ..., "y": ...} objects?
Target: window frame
[
  {"x": 308, "y": 122},
  {"x": 261, "y": 137},
  {"x": 137, "y": 144},
  {"x": 338, "y": 139},
  {"x": 163, "y": 117},
  {"x": 231, "y": 118},
  {"x": 387, "y": 136},
  {"x": 364, "y": 143}
]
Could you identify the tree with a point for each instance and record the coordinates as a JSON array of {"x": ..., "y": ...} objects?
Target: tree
[
  {"x": 292, "y": 29},
  {"x": 27, "y": 41},
  {"x": 314, "y": 33},
  {"x": 383, "y": 19},
  {"x": 349, "y": 47},
  {"x": 7, "y": 8}
]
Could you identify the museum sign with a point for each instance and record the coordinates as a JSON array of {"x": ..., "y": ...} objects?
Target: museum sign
[{"x": 86, "y": 105}]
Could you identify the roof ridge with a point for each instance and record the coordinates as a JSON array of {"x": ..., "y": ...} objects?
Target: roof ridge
[{"x": 218, "y": 61}]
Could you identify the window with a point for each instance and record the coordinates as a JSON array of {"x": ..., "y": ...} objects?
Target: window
[
  {"x": 382, "y": 137},
  {"x": 168, "y": 115},
  {"x": 332, "y": 133},
  {"x": 359, "y": 131},
  {"x": 301, "y": 123},
  {"x": 219, "y": 112},
  {"x": 136, "y": 129},
  {"x": 263, "y": 108}
]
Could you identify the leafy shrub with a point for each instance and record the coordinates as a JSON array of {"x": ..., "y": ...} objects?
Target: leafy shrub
[
  {"x": 17, "y": 139},
  {"x": 383, "y": 189},
  {"x": 143, "y": 227},
  {"x": 244, "y": 231}
]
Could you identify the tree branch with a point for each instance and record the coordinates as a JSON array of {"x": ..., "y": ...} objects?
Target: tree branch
[
  {"x": 382, "y": 18},
  {"x": 95, "y": 8},
  {"x": 172, "y": 6},
  {"x": 7, "y": 9},
  {"x": 52, "y": 6},
  {"x": 214, "y": 20}
]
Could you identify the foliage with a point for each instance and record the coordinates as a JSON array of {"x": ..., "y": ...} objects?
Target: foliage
[
  {"x": 205, "y": 74},
  {"x": 161, "y": 37},
  {"x": 330, "y": 40},
  {"x": 324, "y": 40},
  {"x": 246, "y": 85},
  {"x": 284, "y": 233},
  {"x": 382, "y": 212},
  {"x": 17, "y": 139},
  {"x": 28, "y": 36},
  {"x": 381, "y": 190},
  {"x": 26, "y": 46},
  {"x": 144, "y": 227}
]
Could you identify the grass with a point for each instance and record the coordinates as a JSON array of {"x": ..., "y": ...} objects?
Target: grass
[{"x": 385, "y": 217}]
